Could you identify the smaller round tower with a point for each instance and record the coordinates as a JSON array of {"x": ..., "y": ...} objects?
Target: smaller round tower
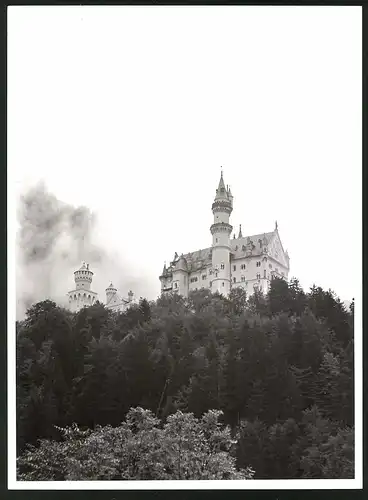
[
  {"x": 110, "y": 292},
  {"x": 82, "y": 295}
]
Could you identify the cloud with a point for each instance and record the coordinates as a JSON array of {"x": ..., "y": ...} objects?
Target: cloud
[{"x": 53, "y": 239}]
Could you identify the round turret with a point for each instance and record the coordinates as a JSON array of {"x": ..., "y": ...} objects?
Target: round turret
[
  {"x": 82, "y": 295},
  {"x": 181, "y": 265},
  {"x": 110, "y": 291},
  {"x": 83, "y": 277}
]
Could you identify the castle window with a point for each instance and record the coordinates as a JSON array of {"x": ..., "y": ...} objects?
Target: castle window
[
  {"x": 242, "y": 266},
  {"x": 236, "y": 247},
  {"x": 243, "y": 278},
  {"x": 264, "y": 273},
  {"x": 210, "y": 271},
  {"x": 210, "y": 284},
  {"x": 234, "y": 280},
  {"x": 258, "y": 276},
  {"x": 204, "y": 276},
  {"x": 176, "y": 285},
  {"x": 222, "y": 266},
  {"x": 258, "y": 264},
  {"x": 216, "y": 240},
  {"x": 234, "y": 268},
  {"x": 223, "y": 284}
]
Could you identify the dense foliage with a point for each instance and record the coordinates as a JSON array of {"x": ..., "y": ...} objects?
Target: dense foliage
[
  {"x": 279, "y": 367},
  {"x": 140, "y": 448}
]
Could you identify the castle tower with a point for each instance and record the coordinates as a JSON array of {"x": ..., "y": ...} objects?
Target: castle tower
[
  {"x": 110, "y": 292},
  {"x": 221, "y": 231},
  {"x": 82, "y": 295},
  {"x": 180, "y": 277}
]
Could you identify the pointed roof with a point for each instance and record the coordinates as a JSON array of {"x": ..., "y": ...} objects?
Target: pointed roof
[
  {"x": 240, "y": 232},
  {"x": 221, "y": 192},
  {"x": 111, "y": 287}
]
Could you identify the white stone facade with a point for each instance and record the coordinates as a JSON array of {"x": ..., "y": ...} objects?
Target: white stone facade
[
  {"x": 249, "y": 262},
  {"x": 83, "y": 296}
]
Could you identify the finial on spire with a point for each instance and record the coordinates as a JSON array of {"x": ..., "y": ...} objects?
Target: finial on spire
[
  {"x": 276, "y": 225},
  {"x": 240, "y": 232}
]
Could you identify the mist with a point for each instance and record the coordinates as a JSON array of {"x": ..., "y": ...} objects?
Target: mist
[{"x": 52, "y": 241}]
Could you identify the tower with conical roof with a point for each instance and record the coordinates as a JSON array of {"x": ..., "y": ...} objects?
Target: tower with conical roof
[
  {"x": 110, "y": 293},
  {"x": 221, "y": 231},
  {"x": 180, "y": 277},
  {"x": 82, "y": 295}
]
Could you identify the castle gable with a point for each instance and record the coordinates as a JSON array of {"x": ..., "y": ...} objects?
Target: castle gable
[{"x": 276, "y": 251}]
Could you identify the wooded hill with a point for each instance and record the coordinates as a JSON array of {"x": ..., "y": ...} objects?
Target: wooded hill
[{"x": 278, "y": 368}]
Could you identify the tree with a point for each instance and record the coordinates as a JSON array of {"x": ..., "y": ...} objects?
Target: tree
[
  {"x": 140, "y": 448},
  {"x": 267, "y": 358}
]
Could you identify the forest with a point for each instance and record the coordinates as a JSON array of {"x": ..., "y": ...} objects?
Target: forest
[{"x": 204, "y": 387}]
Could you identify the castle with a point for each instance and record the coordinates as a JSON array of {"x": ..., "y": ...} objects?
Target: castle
[
  {"x": 83, "y": 296},
  {"x": 249, "y": 262}
]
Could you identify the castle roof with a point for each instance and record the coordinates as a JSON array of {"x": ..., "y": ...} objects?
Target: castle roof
[
  {"x": 198, "y": 259},
  {"x": 202, "y": 258},
  {"x": 258, "y": 241}
]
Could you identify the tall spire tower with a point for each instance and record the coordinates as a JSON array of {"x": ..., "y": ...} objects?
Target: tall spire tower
[{"x": 221, "y": 230}]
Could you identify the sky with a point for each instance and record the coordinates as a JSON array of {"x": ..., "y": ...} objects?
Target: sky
[{"x": 132, "y": 112}]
